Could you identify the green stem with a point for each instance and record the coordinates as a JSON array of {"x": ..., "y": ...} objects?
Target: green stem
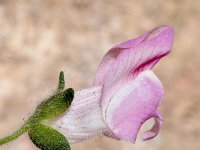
[{"x": 15, "y": 135}]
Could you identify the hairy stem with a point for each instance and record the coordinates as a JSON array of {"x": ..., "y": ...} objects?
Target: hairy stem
[{"x": 15, "y": 135}]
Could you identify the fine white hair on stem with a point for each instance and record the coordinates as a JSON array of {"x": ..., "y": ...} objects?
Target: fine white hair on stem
[{"x": 84, "y": 119}]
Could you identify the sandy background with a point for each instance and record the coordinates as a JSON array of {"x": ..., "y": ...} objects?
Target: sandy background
[{"x": 40, "y": 38}]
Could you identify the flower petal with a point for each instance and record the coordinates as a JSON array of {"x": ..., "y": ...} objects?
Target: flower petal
[
  {"x": 160, "y": 42},
  {"x": 84, "y": 119},
  {"x": 132, "y": 105},
  {"x": 142, "y": 56},
  {"x": 130, "y": 62},
  {"x": 154, "y": 130}
]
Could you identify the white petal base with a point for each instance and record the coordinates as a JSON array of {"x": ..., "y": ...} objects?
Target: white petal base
[{"x": 84, "y": 119}]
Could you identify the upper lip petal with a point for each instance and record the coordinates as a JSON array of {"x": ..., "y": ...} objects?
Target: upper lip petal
[{"x": 135, "y": 55}]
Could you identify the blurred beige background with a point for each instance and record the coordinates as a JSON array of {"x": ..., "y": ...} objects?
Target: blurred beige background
[{"x": 38, "y": 38}]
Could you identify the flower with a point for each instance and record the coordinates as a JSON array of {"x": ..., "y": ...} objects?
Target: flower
[{"x": 125, "y": 93}]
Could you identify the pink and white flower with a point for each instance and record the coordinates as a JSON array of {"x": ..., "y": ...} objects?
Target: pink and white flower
[{"x": 125, "y": 94}]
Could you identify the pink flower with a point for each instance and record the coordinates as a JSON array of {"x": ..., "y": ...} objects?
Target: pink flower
[{"x": 125, "y": 94}]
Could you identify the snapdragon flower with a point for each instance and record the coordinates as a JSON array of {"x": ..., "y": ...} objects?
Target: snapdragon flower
[{"x": 125, "y": 94}]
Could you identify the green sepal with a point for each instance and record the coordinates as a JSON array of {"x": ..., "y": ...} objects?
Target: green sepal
[
  {"x": 47, "y": 138},
  {"x": 54, "y": 105},
  {"x": 61, "y": 82}
]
